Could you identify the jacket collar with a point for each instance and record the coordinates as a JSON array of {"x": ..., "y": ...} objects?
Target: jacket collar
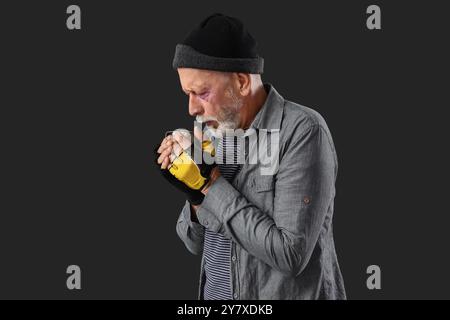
[{"x": 270, "y": 114}]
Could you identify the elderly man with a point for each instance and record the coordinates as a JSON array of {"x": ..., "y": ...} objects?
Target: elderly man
[{"x": 261, "y": 236}]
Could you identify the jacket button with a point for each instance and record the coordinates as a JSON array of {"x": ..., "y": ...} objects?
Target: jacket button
[
  {"x": 306, "y": 200},
  {"x": 205, "y": 222},
  {"x": 233, "y": 258},
  {"x": 235, "y": 296}
]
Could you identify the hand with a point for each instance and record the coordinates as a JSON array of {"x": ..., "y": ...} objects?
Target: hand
[
  {"x": 162, "y": 159},
  {"x": 163, "y": 152},
  {"x": 183, "y": 159},
  {"x": 170, "y": 148},
  {"x": 178, "y": 167}
]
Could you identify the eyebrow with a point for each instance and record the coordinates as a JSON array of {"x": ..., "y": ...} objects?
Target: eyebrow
[{"x": 201, "y": 88}]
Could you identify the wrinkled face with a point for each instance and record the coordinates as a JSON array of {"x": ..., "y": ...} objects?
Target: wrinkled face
[{"x": 213, "y": 97}]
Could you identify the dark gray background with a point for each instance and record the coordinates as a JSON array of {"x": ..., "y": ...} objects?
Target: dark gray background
[{"x": 82, "y": 110}]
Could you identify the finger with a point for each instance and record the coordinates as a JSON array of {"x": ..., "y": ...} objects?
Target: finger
[
  {"x": 168, "y": 137},
  {"x": 164, "y": 154},
  {"x": 161, "y": 145},
  {"x": 183, "y": 138},
  {"x": 165, "y": 143},
  {"x": 165, "y": 163},
  {"x": 168, "y": 141},
  {"x": 164, "y": 147}
]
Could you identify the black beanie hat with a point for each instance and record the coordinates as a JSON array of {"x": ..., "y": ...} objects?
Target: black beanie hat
[{"x": 219, "y": 43}]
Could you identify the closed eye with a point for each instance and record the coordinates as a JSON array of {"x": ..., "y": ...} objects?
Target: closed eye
[{"x": 204, "y": 95}]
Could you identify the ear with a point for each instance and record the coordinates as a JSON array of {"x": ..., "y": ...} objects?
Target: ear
[{"x": 244, "y": 83}]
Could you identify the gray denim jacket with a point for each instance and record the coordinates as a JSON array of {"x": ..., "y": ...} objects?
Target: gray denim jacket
[{"x": 281, "y": 224}]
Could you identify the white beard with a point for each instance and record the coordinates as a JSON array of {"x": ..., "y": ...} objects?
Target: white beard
[{"x": 230, "y": 117}]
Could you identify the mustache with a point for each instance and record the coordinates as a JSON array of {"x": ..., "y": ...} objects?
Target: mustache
[{"x": 205, "y": 118}]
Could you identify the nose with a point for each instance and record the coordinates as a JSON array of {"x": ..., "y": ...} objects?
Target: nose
[{"x": 195, "y": 107}]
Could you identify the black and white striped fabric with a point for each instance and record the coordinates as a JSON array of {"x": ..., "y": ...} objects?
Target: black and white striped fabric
[{"x": 217, "y": 248}]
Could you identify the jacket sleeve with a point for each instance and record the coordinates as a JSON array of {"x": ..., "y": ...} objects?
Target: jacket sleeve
[
  {"x": 304, "y": 190},
  {"x": 190, "y": 232}
]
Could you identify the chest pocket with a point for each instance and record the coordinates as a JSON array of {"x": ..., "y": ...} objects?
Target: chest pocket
[
  {"x": 261, "y": 192},
  {"x": 262, "y": 183}
]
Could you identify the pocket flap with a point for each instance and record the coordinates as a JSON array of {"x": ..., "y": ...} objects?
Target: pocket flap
[{"x": 262, "y": 183}]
